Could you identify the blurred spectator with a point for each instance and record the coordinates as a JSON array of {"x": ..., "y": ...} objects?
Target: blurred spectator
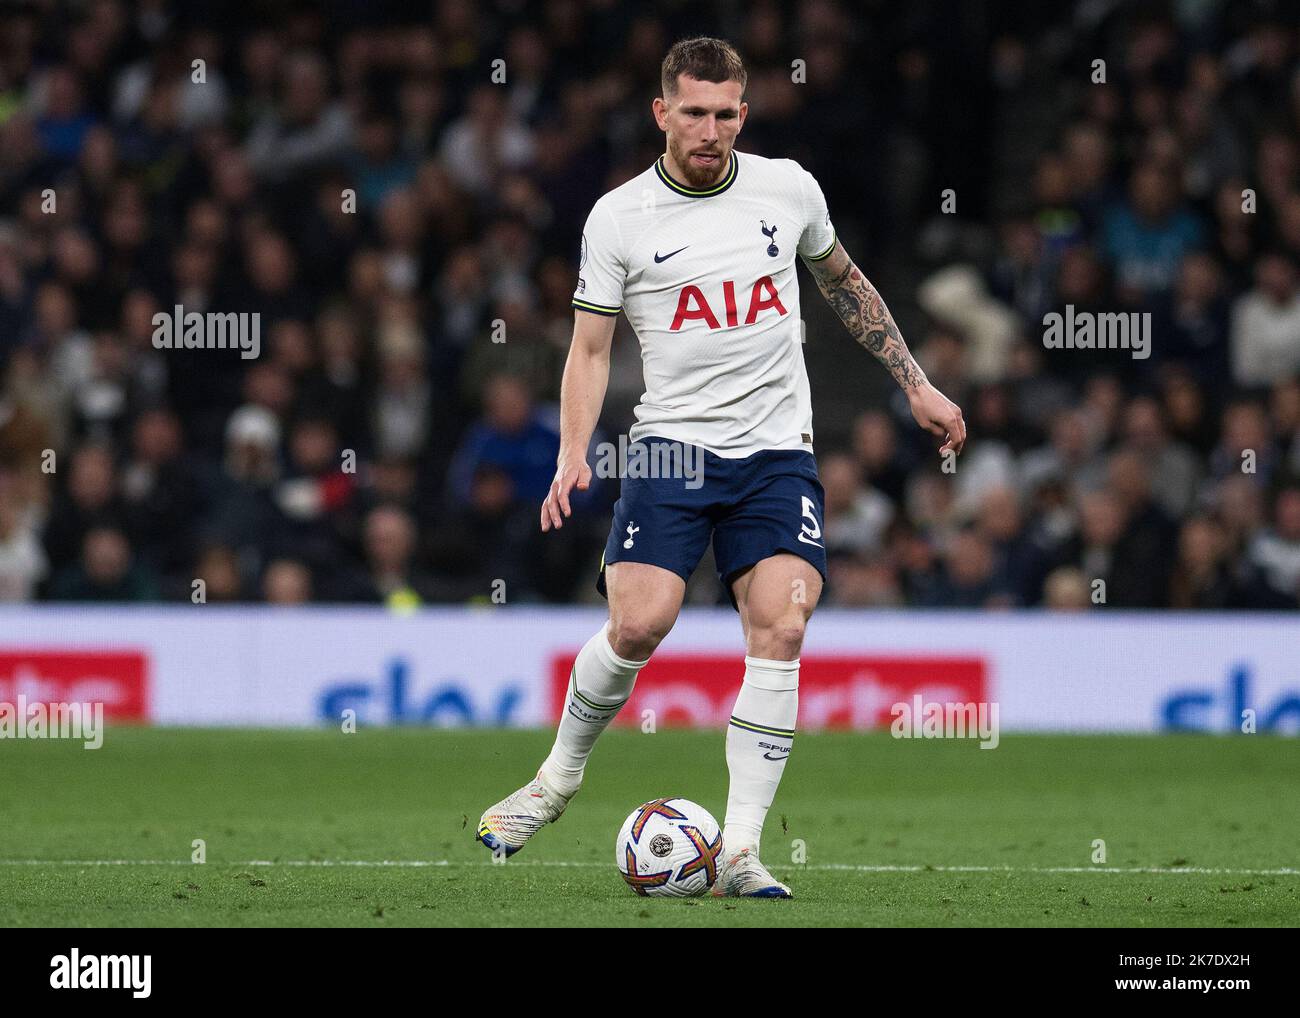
[
  {"x": 380, "y": 165},
  {"x": 287, "y": 582},
  {"x": 858, "y": 582},
  {"x": 1101, "y": 525},
  {"x": 22, "y": 560},
  {"x": 105, "y": 572},
  {"x": 243, "y": 513},
  {"x": 1246, "y": 444},
  {"x": 956, "y": 296},
  {"x": 1070, "y": 456},
  {"x": 390, "y": 574},
  {"x": 315, "y": 494},
  {"x": 485, "y": 142},
  {"x": 467, "y": 547},
  {"x": 990, "y": 461},
  {"x": 1284, "y": 409},
  {"x": 1067, "y": 589},
  {"x": 856, "y": 516},
  {"x": 1193, "y": 323},
  {"x": 968, "y": 579},
  {"x": 1020, "y": 274},
  {"x": 1200, "y": 577},
  {"x": 513, "y": 436},
  {"x": 1276, "y": 551},
  {"x": 875, "y": 444},
  {"x": 403, "y": 398},
  {"x": 218, "y": 568},
  {"x": 1019, "y": 560},
  {"x": 161, "y": 492},
  {"x": 1266, "y": 325},
  {"x": 1147, "y": 236},
  {"x": 305, "y": 129},
  {"x": 90, "y": 500},
  {"x": 64, "y": 119},
  {"x": 1186, "y": 414},
  {"x": 1175, "y": 474},
  {"x": 1144, "y": 550}
]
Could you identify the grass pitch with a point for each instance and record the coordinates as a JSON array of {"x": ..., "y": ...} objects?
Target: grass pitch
[{"x": 321, "y": 828}]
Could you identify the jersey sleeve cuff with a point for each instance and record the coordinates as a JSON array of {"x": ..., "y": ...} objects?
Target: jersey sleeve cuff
[
  {"x": 595, "y": 309},
  {"x": 824, "y": 254}
]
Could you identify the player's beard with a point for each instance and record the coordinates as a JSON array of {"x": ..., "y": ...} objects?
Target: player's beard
[{"x": 699, "y": 176}]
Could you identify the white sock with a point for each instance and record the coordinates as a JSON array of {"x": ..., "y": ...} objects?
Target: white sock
[
  {"x": 599, "y": 685},
  {"x": 758, "y": 743}
]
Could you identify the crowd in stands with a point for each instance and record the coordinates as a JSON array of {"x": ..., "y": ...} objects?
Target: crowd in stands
[{"x": 405, "y": 224}]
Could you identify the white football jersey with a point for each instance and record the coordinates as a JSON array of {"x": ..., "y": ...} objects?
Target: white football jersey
[{"x": 707, "y": 280}]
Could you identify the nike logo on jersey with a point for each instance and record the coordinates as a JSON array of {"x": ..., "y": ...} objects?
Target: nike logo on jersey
[{"x": 664, "y": 258}]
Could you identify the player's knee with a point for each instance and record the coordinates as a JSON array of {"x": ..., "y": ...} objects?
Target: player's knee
[
  {"x": 781, "y": 640},
  {"x": 635, "y": 637},
  {"x": 789, "y": 634}
]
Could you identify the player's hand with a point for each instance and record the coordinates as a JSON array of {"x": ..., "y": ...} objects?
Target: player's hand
[
  {"x": 939, "y": 415},
  {"x": 568, "y": 475}
]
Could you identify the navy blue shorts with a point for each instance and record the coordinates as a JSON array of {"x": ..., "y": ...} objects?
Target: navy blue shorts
[{"x": 753, "y": 508}]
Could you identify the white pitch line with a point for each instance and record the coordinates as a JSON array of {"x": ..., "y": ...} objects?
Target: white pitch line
[{"x": 1285, "y": 871}]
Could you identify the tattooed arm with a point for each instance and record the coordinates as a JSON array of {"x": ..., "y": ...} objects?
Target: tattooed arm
[{"x": 864, "y": 314}]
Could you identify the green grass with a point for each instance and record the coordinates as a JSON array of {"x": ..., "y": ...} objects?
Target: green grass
[{"x": 1036, "y": 803}]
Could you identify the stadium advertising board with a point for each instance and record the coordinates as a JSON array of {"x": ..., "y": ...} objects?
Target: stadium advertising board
[
  {"x": 118, "y": 679},
  {"x": 508, "y": 666}
]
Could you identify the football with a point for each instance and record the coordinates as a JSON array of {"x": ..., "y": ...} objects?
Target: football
[{"x": 669, "y": 848}]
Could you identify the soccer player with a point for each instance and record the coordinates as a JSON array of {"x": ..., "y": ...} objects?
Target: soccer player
[{"x": 698, "y": 251}]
